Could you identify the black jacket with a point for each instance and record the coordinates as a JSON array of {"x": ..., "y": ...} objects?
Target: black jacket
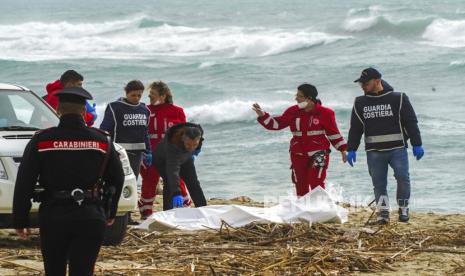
[
  {"x": 64, "y": 158},
  {"x": 387, "y": 120},
  {"x": 170, "y": 155}
]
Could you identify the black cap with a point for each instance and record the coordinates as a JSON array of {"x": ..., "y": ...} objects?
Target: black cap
[
  {"x": 74, "y": 95},
  {"x": 368, "y": 74}
]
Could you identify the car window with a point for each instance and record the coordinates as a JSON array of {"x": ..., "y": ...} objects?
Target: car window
[{"x": 24, "y": 109}]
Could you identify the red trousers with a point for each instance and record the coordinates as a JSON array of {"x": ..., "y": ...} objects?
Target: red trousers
[
  {"x": 150, "y": 179},
  {"x": 305, "y": 175}
]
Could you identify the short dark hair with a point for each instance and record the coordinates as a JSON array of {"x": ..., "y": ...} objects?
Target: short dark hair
[
  {"x": 192, "y": 132},
  {"x": 70, "y": 76},
  {"x": 134, "y": 85}
]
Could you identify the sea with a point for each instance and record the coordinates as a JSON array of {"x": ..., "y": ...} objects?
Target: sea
[{"x": 219, "y": 57}]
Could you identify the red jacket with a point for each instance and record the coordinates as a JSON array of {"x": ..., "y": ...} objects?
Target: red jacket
[
  {"x": 52, "y": 100},
  {"x": 162, "y": 117},
  {"x": 52, "y": 89},
  {"x": 312, "y": 131}
]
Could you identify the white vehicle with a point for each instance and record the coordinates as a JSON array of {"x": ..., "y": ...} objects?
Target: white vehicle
[{"x": 22, "y": 113}]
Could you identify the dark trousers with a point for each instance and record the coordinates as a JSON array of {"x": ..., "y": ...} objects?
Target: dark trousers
[
  {"x": 378, "y": 163},
  {"x": 189, "y": 175},
  {"x": 135, "y": 158},
  {"x": 76, "y": 242}
]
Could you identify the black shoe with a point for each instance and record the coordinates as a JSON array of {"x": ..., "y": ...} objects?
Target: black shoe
[
  {"x": 381, "y": 219},
  {"x": 403, "y": 214}
]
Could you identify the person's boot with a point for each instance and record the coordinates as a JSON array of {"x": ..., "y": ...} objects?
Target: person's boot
[
  {"x": 382, "y": 218},
  {"x": 403, "y": 214}
]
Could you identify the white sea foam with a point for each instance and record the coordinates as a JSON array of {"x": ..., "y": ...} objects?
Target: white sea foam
[
  {"x": 382, "y": 19},
  {"x": 457, "y": 63},
  {"x": 356, "y": 22},
  {"x": 277, "y": 42},
  {"x": 360, "y": 23},
  {"x": 446, "y": 33},
  {"x": 128, "y": 39},
  {"x": 230, "y": 111},
  {"x": 206, "y": 64}
]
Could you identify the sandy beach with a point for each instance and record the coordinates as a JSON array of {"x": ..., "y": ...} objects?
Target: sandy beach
[{"x": 430, "y": 244}]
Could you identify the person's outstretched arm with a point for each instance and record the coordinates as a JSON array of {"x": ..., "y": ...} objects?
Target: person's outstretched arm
[{"x": 272, "y": 122}]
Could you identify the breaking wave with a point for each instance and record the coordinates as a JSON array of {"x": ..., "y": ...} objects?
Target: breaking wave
[
  {"x": 376, "y": 18},
  {"x": 446, "y": 33},
  {"x": 231, "y": 111},
  {"x": 142, "y": 37}
]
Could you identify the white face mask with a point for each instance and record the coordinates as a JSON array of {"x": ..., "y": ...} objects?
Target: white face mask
[{"x": 302, "y": 105}]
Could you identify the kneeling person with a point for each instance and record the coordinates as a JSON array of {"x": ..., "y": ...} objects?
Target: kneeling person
[{"x": 173, "y": 159}]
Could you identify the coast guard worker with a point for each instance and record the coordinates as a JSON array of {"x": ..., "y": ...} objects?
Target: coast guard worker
[
  {"x": 387, "y": 120},
  {"x": 127, "y": 121},
  {"x": 72, "y": 163}
]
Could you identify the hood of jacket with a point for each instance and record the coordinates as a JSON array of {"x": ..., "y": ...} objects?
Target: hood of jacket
[{"x": 54, "y": 87}]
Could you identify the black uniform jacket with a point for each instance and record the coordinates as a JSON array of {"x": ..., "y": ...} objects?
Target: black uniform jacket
[
  {"x": 64, "y": 158},
  {"x": 387, "y": 120}
]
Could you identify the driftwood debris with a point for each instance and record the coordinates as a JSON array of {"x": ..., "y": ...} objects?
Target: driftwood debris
[
  {"x": 275, "y": 249},
  {"x": 263, "y": 249}
]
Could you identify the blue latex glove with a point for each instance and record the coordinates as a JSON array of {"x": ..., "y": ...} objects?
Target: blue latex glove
[
  {"x": 418, "y": 152},
  {"x": 196, "y": 153},
  {"x": 148, "y": 159},
  {"x": 91, "y": 109},
  {"x": 351, "y": 158},
  {"x": 178, "y": 201}
]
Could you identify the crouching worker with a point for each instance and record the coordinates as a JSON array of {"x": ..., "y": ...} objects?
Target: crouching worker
[
  {"x": 73, "y": 164},
  {"x": 173, "y": 159},
  {"x": 313, "y": 127}
]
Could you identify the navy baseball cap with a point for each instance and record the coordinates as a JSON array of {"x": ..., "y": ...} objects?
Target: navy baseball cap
[
  {"x": 368, "y": 74},
  {"x": 74, "y": 95}
]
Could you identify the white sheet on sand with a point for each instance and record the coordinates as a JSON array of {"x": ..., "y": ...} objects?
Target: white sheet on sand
[{"x": 316, "y": 206}]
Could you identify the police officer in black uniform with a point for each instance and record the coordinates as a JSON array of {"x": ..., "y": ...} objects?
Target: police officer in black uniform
[{"x": 73, "y": 164}]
